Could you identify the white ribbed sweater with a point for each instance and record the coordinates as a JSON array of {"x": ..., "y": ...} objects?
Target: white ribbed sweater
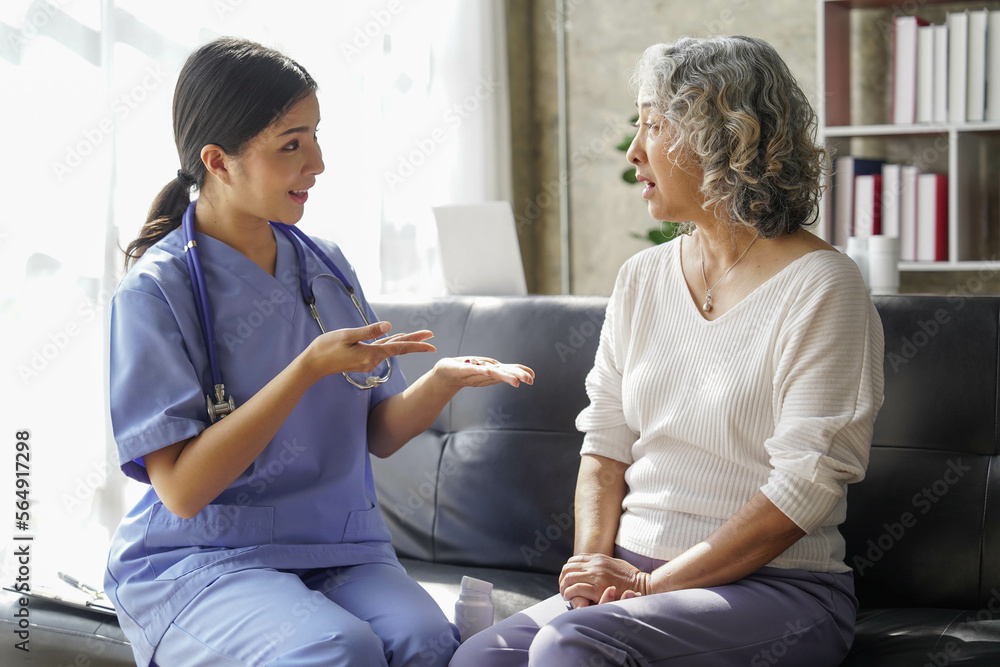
[{"x": 778, "y": 395}]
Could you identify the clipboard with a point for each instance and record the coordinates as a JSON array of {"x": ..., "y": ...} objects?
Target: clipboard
[{"x": 48, "y": 595}]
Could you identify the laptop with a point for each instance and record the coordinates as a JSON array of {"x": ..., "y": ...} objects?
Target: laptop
[{"x": 480, "y": 255}]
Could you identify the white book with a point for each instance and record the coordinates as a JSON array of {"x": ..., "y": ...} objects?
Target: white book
[
  {"x": 845, "y": 169},
  {"x": 890, "y": 199},
  {"x": 975, "y": 94},
  {"x": 940, "y": 109},
  {"x": 993, "y": 67},
  {"x": 925, "y": 74},
  {"x": 904, "y": 69},
  {"x": 958, "y": 51},
  {"x": 824, "y": 226},
  {"x": 908, "y": 213},
  {"x": 867, "y": 190}
]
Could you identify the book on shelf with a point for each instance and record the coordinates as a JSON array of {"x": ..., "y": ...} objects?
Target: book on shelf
[
  {"x": 932, "y": 218},
  {"x": 867, "y": 205},
  {"x": 975, "y": 94},
  {"x": 890, "y": 199},
  {"x": 958, "y": 50},
  {"x": 940, "y": 94},
  {"x": 908, "y": 212},
  {"x": 847, "y": 167},
  {"x": 993, "y": 66},
  {"x": 904, "y": 68},
  {"x": 925, "y": 74}
]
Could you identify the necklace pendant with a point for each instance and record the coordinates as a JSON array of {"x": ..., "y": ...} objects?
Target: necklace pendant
[{"x": 707, "y": 306}]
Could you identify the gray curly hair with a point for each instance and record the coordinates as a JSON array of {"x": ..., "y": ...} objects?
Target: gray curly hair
[{"x": 737, "y": 110}]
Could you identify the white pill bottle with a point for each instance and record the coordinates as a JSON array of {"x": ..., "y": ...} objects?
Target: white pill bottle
[{"x": 474, "y": 608}]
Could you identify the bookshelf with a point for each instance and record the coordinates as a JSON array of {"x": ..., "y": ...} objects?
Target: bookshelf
[{"x": 853, "y": 108}]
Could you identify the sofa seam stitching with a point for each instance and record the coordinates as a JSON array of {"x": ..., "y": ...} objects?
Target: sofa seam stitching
[
  {"x": 945, "y": 632},
  {"x": 989, "y": 463},
  {"x": 448, "y": 440}
]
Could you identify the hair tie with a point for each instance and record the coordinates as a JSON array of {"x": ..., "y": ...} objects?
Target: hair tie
[{"x": 185, "y": 179}]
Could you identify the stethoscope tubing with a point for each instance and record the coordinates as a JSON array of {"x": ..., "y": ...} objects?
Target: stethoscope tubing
[
  {"x": 200, "y": 290},
  {"x": 293, "y": 233},
  {"x": 222, "y": 406}
]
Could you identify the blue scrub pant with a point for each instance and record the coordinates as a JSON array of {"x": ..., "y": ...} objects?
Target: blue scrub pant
[
  {"x": 772, "y": 617},
  {"x": 361, "y": 616}
]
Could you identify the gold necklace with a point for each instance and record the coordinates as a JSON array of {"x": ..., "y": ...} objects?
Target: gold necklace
[{"x": 707, "y": 306}]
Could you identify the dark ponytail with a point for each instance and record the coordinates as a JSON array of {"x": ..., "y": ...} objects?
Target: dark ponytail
[
  {"x": 228, "y": 91},
  {"x": 164, "y": 217}
]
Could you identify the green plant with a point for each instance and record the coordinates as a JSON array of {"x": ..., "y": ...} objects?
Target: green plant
[{"x": 666, "y": 230}]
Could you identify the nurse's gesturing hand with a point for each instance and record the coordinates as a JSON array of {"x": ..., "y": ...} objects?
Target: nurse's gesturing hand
[
  {"x": 482, "y": 372},
  {"x": 355, "y": 351},
  {"x": 189, "y": 474},
  {"x": 397, "y": 419}
]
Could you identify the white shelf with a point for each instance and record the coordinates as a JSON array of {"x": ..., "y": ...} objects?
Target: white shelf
[
  {"x": 950, "y": 266},
  {"x": 897, "y": 130},
  {"x": 965, "y": 151}
]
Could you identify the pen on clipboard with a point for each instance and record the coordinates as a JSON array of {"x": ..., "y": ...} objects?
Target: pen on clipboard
[{"x": 76, "y": 583}]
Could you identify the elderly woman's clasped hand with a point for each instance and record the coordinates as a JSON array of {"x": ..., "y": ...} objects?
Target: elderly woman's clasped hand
[{"x": 596, "y": 579}]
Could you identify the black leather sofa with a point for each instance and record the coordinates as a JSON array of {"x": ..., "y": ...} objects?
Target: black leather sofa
[{"x": 487, "y": 491}]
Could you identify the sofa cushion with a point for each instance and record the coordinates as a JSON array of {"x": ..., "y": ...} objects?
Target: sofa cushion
[
  {"x": 921, "y": 529},
  {"x": 921, "y": 636},
  {"x": 61, "y": 635},
  {"x": 491, "y": 482}
]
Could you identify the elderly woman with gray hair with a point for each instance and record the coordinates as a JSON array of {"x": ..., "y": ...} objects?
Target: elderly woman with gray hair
[{"x": 732, "y": 399}]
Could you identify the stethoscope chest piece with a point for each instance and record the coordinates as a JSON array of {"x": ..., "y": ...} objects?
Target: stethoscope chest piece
[{"x": 221, "y": 406}]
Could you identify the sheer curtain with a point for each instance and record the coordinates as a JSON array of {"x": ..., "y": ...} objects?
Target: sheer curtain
[{"x": 414, "y": 108}]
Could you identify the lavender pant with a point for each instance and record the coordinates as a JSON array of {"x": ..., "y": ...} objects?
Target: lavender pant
[{"x": 772, "y": 617}]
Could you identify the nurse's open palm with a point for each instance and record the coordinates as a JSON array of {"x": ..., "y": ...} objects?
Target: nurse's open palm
[
  {"x": 361, "y": 350},
  {"x": 481, "y": 372}
]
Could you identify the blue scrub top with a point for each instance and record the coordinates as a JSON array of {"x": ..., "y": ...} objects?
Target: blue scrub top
[{"x": 308, "y": 501}]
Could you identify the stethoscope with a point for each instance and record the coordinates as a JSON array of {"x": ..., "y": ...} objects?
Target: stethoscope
[{"x": 220, "y": 405}]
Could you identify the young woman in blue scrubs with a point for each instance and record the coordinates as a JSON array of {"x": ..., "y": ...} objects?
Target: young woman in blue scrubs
[{"x": 259, "y": 541}]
